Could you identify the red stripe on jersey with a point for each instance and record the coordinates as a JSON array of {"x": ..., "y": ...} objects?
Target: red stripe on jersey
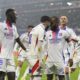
[
  {"x": 35, "y": 67},
  {"x": 8, "y": 25},
  {"x": 54, "y": 35}
]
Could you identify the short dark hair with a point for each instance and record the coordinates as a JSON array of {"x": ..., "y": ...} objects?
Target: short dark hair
[
  {"x": 30, "y": 26},
  {"x": 45, "y": 18},
  {"x": 8, "y": 11}
]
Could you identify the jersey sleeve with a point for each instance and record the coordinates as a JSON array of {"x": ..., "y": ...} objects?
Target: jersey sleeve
[
  {"x": 16, "y": 33},
  {"x": 66, "y": 35},
  {"x": 41, "y": 35},
  {"x": 73, "y": 34},
  {"x": 16, "y": 47},
  {"x": 22, "y": 37}
]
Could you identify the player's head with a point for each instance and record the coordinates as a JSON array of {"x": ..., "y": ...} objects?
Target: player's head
[
  {"x": 54, "y": 23},
  {"x": 11, "y": 15},
  {"x": 45, "y": 20},
  {"x": 63, "y": 20},
  {"x": 29, "y": 28}
]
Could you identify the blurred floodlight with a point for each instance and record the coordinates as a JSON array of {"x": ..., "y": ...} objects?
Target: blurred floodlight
[
  {"x": 51, "y": 4},
  {"x": 69, "y": 3}
]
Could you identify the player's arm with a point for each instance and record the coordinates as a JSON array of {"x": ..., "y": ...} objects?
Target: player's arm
[
  {"x": 17, "y": 39},
  {"x": 20, "y": 43},
  {"x": 72, "y": 36}
]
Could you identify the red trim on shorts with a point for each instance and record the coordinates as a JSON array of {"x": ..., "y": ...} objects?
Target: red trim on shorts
[{"x": 35, "y": 67}]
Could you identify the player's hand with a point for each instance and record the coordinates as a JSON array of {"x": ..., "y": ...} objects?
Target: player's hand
[{"x": 70, "y": 62}]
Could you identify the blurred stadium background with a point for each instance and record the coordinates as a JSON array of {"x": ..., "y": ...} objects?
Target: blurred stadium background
[{"x": 30, "y": 11}]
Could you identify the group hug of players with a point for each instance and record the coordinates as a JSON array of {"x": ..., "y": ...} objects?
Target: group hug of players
[{"x": 50, "y": 47}]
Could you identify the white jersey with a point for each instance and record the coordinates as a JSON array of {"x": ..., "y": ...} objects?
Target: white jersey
[
  {"x": 69, "y": 47},
  {"x": 55, "y": 45},
  {"x": 8, "y": 36},
  {"x": 24, "y": 39},
  {"x": 36, "y": 38}
]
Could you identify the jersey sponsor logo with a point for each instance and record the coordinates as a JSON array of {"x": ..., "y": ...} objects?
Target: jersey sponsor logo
[
  {"x": 8, "y": 34},
  {"x": 1, "y": 61}
]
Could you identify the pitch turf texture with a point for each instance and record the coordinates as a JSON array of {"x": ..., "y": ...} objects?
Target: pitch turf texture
[{"x": 73, "y": 75}]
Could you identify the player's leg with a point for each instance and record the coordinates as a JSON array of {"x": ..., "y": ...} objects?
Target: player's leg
[
  {"x": 2, "y": 68},
  {"x": 2, "y": 75},
  {"x": 11, "y": 69},
  {"x": 20, "y": 63},
  {"x": 60, "y": 72},
  {"x": 11, "y": 75},
  {"x": 61, "y": 77},
  {"x": 34, "y": 65},
  {"x": 49, "y": 76}
]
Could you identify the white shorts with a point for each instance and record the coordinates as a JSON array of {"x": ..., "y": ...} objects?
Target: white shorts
[
  {"x": 54, "y": 69},
  {"x": 7, "y": 65},
  {"x": 32, "y": 59}
]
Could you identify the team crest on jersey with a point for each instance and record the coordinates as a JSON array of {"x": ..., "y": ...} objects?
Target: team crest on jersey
[{"x": 60, "y": 34}]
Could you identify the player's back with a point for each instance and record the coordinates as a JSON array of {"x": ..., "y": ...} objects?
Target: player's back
[{"x": 35, "y": 36}]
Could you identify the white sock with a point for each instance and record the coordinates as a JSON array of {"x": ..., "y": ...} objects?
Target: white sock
[{"x": 17, "y": 72}]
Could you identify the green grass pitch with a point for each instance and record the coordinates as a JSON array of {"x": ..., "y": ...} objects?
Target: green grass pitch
[{"x": 73, "y": 75}]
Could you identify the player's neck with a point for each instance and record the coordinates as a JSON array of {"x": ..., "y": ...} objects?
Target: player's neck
[
  {"x": 8, "y": 22},
  {"x": 45, "y": 26},
  {"x": 63, "y": 26}
]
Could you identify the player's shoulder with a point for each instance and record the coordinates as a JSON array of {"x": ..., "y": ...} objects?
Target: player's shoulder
[
  {"x": 37, "y": 29},
  {"x": 39, "y": 26},
  {"x": 24, "y": 34},
  {"x": 69, "y": 29},
  {"x": 2, "y": 25}
]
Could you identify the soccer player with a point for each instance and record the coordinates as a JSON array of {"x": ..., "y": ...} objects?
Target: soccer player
[
  {"x": 70, "y": 45},
  {"x": 9, "y": 35},
  {"x": 56, "y": 39},
  {"x": 36, "y": 39},
  {"x": 22, "y": 56}
]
